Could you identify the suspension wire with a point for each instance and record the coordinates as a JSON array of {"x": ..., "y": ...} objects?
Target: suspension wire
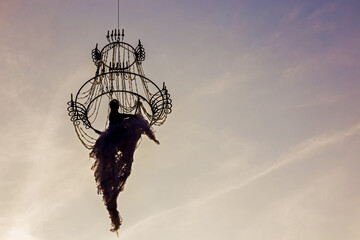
[{"x": 118, "y": 13}]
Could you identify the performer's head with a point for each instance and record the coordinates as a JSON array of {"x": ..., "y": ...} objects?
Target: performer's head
[{"x": 114, "y": 104}]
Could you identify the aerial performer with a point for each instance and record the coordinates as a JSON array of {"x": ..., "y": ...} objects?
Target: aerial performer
[
  {"x": 113, "y": 153},
  {"x": 112, "y": 110}
]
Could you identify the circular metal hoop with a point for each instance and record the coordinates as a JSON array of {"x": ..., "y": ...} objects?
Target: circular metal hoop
[
  {"x": 111, "y": 92},
  {"x": 120, "y": 50},
  {"x": 120, "y": 76}
]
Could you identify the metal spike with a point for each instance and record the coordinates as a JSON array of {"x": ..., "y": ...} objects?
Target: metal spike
[
  {"x": 108, "y": 36},
  {"x": 112, "y": 35}
]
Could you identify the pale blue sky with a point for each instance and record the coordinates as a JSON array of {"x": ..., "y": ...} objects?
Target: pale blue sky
[{"x": 263, "y": 141}]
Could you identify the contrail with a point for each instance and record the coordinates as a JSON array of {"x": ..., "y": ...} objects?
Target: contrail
[{"x": 297, "y": 153}]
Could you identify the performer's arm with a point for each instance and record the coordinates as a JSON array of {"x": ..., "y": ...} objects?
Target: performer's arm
[{"x": 97, "y": 131}]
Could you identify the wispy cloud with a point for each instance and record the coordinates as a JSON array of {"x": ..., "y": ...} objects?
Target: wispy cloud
[
  {"x": 326, "y": 9},
  {"x": 297, "y": 153},
  {"x": 322, "y": 100}
]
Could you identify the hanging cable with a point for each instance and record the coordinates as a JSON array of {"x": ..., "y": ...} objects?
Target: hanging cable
[{"x": 118, "y": 14}]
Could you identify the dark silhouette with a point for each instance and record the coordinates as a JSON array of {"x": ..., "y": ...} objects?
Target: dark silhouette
[
  {"x": 115, "y": 117},
  {"x": 113, "y": 153}
]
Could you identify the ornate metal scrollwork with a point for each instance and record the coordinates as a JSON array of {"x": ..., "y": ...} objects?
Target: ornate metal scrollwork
[
  {"x": 140, "y": 52},
  {"x": 78, "y": 113},
  {"x": 96, "y": 55},
  {"x": 161, "y": 105},
  {"x": 119, "y": 76}
]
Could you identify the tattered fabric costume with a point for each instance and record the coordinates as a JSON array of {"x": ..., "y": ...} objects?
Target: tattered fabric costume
[{"x": 113, "y": 153}]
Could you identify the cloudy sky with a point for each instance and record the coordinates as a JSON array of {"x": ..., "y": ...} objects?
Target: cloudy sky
[{"x": 263, "y": 141}]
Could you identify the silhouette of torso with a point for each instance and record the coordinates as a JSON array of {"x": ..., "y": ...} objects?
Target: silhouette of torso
[{"x": 115, "y": 117}]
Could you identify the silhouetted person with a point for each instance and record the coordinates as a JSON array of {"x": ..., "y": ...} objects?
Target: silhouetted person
[
  {"x": 115, "y": 117},
  {"x": 113, "y": 153}
]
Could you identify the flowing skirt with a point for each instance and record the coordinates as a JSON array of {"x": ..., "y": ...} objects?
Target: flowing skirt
[{"x": 113, "y": 153}]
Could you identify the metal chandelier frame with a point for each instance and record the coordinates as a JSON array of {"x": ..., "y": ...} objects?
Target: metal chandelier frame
[{"x": 119, "y": 75}]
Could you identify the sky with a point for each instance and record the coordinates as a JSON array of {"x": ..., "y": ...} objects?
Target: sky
[{"x": 263, "y": 141}]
